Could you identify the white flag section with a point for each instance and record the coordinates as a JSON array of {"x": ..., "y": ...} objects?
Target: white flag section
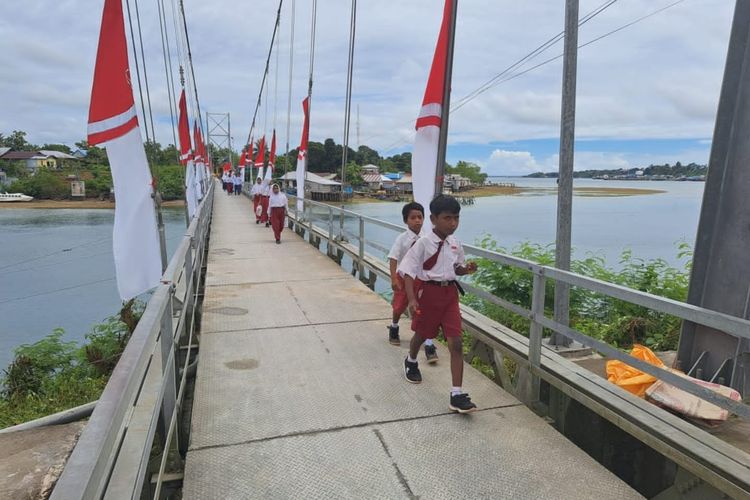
[
  {"x": 191, "y": 188},
  {"x": 135, "y": 237},
  {"x": 300, "y": 178},
  {"x": 423, "y": 165}
]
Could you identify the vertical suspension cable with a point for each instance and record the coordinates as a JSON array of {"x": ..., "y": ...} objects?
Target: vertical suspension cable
[
  {"x": 167, "y": 61},
  {"x": 289, "y": 98},
  {"x": 145, "y": 73},
  {"x": 137, "y": 68},
  {"x": 276, "y": 84},
  {"x": 190, "y": 61},
  {"x": 265, "y": 73},
  {"x": 348, "y": 106}
]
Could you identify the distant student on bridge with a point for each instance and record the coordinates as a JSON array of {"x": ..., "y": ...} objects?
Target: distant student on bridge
[
  {"x": 277, "y": 204},
  {"x": 256, "y": 193},
  {"x": 224, "y": 180},
  {"x": 237, "y": 183},
  {"x": 265, "y": 193},
  {"x": 413, "y": 215},
  {"x": 435, "y": 260}
]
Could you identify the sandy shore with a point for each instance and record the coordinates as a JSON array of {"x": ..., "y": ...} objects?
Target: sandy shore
[{"x": 76, "y": 204}]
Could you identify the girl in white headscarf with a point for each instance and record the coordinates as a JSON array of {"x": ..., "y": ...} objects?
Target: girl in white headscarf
[{"x": 277, "y": 204}]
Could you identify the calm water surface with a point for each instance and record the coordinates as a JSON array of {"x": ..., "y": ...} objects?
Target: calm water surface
[
  {"x": 56, "y": 270},
  {"x": 56, "y": 267}
]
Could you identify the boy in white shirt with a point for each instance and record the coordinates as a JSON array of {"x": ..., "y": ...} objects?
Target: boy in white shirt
[
  {"x": 413, "y": 215},
  {"x": 237, "y": 183},
  {"x": 435, "y": 260}
]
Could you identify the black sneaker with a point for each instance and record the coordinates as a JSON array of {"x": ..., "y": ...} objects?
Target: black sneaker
[
  {"x": 411, "y": 371},
  {"x": 268, "y": 224},
  {"x": 462, "y": 403},
  {"x": 257, "y": 222},
  {"x": 430, "y": 351},
  {"x": 393, "y": 337}
]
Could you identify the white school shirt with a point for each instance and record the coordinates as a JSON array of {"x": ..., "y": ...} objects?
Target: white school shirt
[
  {"x": 256, "y": 189},
  {"x": 238, "y": 181},
  {"x": 403, "y": 243},
  {"x": 277, "y": 200},
  {"x": 225, "y": 178},
  {"x": 265, "y": 189},
  {"x": 451, "y": 256}
]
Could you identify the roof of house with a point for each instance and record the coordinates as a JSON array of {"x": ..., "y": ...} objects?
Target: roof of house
[
  {"x": 327, "y": 175},
  {"x": 311, "y": 177},
  {"x": 405, "y": 179},
  {"x": 57, "y": 154},
  {"x": 3, "y": 151},
  {"x": 22, "y": 155},
  {"x": 372, "y": 178}
]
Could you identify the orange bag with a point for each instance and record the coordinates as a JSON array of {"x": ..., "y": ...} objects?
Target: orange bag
[{"x": 633, "y": 380}]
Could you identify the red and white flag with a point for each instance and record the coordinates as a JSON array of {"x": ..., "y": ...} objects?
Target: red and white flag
[
  {"x": 302, "y": 155},
  {"x": 250, "y": 160},
  {"x": 113, "y": 123},
  {"x": 260, "y": 156},
  {"x": 424, "y": 156},
  {"x": 201, "y": 176},
  {"x": 241, "y": 164},
  {"x": 271, "y": 159},
  {"x": 186, "y": 157}
]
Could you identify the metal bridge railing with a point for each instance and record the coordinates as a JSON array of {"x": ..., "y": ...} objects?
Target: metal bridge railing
[
  {"x": 327, "y": 221},
  {"x": 114, "y": 453}
]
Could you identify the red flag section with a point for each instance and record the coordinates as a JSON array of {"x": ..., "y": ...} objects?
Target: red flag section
[
  {"x": 425, "y": 152},
  {"x": 305, "y": 129},
  {"x": 112, "y": 112},
  {"x": 260, "y": 156},
  {"x": 433, "y": 95},
  {"x": 242, "y": 159},
  {"x": 272, "y": 155},
  {"x": 183, "y": 128}
]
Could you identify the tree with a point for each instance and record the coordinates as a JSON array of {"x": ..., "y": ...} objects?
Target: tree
[
  {"x": 354, "y": 174},
  {"x": 94, "y": 154},
  {"x": 469, "y": 170},
  {"x": 366, "y": 156},
  {"x": 56, "y": 147},
  {"x": 17, "y": 141}
]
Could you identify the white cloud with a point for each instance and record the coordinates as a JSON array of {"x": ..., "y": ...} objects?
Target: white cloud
[
  {"x": 502, "y": 162},
  {"x": 657, "y": 79}
]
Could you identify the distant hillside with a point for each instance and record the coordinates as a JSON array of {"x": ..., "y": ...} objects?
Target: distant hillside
[{"x": 668, "y": 171}]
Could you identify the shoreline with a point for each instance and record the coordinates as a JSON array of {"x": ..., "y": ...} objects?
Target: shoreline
[{"x": 87, "y": 204}]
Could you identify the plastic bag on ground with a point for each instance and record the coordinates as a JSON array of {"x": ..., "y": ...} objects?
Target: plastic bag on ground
[{"x": 631, "y": 379}]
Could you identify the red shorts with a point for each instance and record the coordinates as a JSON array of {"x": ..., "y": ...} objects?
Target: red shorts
[
  {"x": 438, "y": 307},
  {"x": 400, "y": 300}
]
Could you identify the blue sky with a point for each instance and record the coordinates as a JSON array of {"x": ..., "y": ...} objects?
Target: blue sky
[{"x": 647, "y": 94}]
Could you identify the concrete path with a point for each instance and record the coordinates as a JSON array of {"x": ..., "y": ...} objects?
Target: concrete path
[{"x": 299, "y": 394}]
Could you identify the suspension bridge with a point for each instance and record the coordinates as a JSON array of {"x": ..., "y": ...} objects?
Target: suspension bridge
[{"x": 263, "y": 371}]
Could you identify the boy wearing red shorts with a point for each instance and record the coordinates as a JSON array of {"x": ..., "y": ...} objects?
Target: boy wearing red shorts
[
  {"x": 435, "y": 260},
  {"x": 413, "y": 215}
]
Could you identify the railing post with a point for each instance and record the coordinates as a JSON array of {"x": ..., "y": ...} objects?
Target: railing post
[
  {"x": 535, "y": 335},
  {"x": 330, "y": 226},
  {"x": 361, "y": 248},
  {"x": 167, "y": 364}
]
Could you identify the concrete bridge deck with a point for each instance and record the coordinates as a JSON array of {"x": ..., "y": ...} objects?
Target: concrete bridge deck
[{"x": 299, "y": 395}]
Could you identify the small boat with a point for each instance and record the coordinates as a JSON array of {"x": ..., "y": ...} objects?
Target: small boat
[{"x": 15, "y": 197}]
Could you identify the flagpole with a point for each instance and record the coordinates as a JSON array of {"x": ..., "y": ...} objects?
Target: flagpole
[
  {"x": 348, "y": 111},
  {"x": 310, "y": 86},
  {"x": 445, "y": 108}
]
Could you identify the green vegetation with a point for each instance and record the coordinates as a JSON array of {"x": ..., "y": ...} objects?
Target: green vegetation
[
  {"x": 677, "y": 170},
  {"x": 52, "y": 375},
  {"x": 469, "y": 170},
  {"x": 614, "y": 321}
]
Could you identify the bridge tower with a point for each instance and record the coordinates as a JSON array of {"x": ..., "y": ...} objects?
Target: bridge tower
[{"x": 720, "y": 278}]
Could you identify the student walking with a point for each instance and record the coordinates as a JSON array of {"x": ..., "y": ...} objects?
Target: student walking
[
  {"x": 277, "y": 205},
  {"x": 413, "y": 215},
  {"x": 255, "y": 192},
  {"x": 265, "y": 192},
  {"x": 237, "y": 184},
  {"x": 435, "y": 260},
  {"x": 224, "y": 181}
]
